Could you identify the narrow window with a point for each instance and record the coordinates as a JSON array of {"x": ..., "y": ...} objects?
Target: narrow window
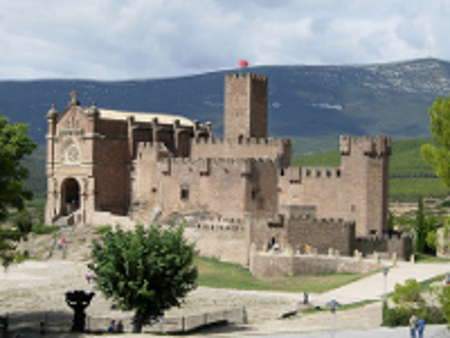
[{"x": 184, "y": 193}]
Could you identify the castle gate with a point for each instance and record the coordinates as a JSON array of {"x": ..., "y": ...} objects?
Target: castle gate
[{"x": 70, "y": 196}]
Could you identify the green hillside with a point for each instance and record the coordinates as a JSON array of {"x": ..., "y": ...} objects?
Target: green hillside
[{"x": 409, "y": 175}]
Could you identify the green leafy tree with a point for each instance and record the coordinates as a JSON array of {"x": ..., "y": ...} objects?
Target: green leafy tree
[
  {"x": 443, "y": 296},
  {"x": 147, "y": 270},
  {"x": 15, "y": 144},
  {"x": 438, "y": 156},
  {"x": 425, "y": 230},
  {"x": 408, "y": 294},
  {"x": 23, "y": 220}
]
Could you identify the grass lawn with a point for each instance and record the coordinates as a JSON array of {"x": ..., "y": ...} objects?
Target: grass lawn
[
  {"x": 214, "y": 273},
  {"x": 422, "y": 258}
]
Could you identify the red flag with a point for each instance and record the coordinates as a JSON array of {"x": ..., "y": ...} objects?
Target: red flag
[{"x": 243, "y": 63}]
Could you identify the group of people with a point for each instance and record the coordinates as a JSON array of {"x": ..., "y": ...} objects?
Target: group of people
[
  {"x": 115, "y": 327},
  {"x": 418, "y": 325}
]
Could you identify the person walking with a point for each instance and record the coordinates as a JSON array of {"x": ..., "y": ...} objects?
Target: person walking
[
  {"x": 420, "y": 327},
  {"x": 412, "y": 325}
]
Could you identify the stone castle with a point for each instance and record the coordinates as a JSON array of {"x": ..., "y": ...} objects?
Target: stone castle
[{"x": 106, "y": 166}]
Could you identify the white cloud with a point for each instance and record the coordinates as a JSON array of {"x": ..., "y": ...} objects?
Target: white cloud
[{"x": 116, "y": 39}]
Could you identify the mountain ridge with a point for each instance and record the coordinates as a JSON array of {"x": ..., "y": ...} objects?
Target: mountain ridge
[{"x": 312, "y": 105}]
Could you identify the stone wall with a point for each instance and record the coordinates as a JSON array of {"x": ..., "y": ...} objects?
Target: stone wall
[
  {"x": 218, "y": 186},
  {"x": 300, "y": 231},
  {"x": 322, "y": 234},
  {"x": 285, "y": 264},
  {"x": 357, "y": 190},
  {"x": 221, "y": 238},
  {"x": 279, "y": 150},
  {"x": 401, "y": 245}
]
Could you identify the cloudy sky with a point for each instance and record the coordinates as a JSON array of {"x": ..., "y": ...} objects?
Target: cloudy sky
[{"x": 135, "y": 39}]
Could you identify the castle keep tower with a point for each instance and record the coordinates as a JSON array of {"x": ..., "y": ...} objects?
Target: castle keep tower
[
  {"x": 365, "y": 168},
  {"x": 245, "y": 106}
]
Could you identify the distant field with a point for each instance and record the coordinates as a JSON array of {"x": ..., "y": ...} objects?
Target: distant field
[{"x": 409, "y": 175}]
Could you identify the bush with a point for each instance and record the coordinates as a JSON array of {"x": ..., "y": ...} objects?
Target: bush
[
  {"x": 399, "y": 316},
  {"x": 408, "y": 293},
  {"x": 42, "y": 229},
  {"x": 445, "y": 203},
  {"x": 20, "y": 257},
  {"x": 101, "y": 230},
  {"x": 23, "y": 221}
]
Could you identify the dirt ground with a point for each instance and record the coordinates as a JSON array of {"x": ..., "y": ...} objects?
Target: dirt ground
[
  {"x": 36, "y": 286},
  {"x": 40, "y": 285}
]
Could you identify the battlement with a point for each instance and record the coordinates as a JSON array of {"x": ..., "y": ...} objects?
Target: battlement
[
  {"x": 236, "y": 76},
  {"x": 203, "y": 166},
  {"x": 310, "y": 217},
  {"x": 248, "y": 141},
  {"x": 319, "y": 172},
  {"x": 369, "y": 146},
  {"x": 382, "y": 238},
  {"x": 276, "y": 149},
  {"x": 145, "y": 149},
  {"x": 217, "y": 223},
  {"x": 323, "y": 221},
  {"x": 142, "y": 146}
]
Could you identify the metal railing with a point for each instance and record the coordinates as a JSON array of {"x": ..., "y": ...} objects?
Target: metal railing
[{"x": 53, "y": 321}]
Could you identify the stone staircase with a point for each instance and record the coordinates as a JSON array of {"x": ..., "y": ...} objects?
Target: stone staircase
[{"x": 58, "y": 252}]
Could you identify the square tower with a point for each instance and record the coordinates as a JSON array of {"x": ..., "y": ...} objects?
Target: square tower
[{"x": 245, "y": 106}]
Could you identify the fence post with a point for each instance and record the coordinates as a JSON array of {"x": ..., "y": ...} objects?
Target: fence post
[
  {"x": 182, "y": 324},
  {"x": 42, "y": 324},
  {"x": 206, "y": 318}
]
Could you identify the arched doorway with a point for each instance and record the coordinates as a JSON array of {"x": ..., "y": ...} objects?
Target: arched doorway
[{"x": 70, "y": 196}]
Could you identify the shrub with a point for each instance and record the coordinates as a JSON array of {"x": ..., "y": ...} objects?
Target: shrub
[
  {"x": 101, "y": 230},
  {"x": 23, "y": 221},
  {"x": 42, "y": 229},
  {"x": 399, "y": 316}
]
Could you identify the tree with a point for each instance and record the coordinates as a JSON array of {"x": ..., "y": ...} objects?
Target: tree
[
  {"x": 23, "y": 221},
  {"x": 425, "y": 230},
  {"x": 147, "y": 270},
  {"x": 15, "y": 144},
  {"x": 443, "y": 295},
  {"x": 438, "y": 156},
  {"x": 408, "y": 294}
]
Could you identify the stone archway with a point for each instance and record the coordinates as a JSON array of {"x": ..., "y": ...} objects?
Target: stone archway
[{"x": 70, "y": 196}]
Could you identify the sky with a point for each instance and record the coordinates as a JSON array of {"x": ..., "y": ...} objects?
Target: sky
[{"x": 144, "y": 39}]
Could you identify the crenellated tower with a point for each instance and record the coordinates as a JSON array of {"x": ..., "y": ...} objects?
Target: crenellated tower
[
  {"x": 245, "y": 112},
  {"x": 365, "y": 172}
]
